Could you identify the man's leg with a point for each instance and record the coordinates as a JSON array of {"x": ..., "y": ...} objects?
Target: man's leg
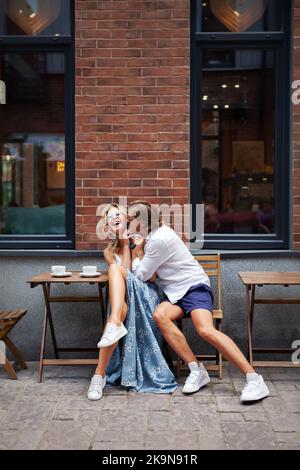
[
  {"x": 165, "y": 315},
  {"x": 203, "y": 322},
  {"x": 255, "y": 387}
]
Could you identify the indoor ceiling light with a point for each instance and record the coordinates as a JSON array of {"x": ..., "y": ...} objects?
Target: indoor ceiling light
[{"x": 32, "y": 16}]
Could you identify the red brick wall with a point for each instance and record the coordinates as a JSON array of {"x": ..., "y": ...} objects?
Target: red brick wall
[
  {"x": 132, "y": 105},
  {"x": 296, "y": 133}
]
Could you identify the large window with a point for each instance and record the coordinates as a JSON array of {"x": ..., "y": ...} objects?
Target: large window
[
  {"x": 240, "y": 103},
  {"x": 36, "y": 124}
]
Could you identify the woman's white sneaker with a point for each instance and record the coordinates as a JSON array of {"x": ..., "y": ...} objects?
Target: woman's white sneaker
[
  {"x": 255, "y": 388},
  {"x": 96, "y": 388},
  {"x": 197, "y": 379},
  {"x": 112, "y": 334}
]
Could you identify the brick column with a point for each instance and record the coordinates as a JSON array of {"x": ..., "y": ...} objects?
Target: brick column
[{"x": 132, "y": 105}]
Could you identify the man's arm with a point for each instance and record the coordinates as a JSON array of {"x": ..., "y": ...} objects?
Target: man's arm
[{"x": 156, "y": 253}]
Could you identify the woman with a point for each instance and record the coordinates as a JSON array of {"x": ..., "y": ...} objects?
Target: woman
[{"x": 139, "y": 363}]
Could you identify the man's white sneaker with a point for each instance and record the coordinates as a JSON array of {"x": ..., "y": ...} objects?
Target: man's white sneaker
[
  {"x": 96, "y": 387},
  {"x": 112, "y": 334},
  {"x": 255, "y": 388},
  {"x": 197, "y": 379}
]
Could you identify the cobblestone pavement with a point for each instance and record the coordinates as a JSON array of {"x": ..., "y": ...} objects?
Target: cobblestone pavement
[{"x": 57, "y": 415}]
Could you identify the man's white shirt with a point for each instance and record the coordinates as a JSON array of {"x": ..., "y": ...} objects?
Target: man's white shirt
[{"x": 176, "y": 268}]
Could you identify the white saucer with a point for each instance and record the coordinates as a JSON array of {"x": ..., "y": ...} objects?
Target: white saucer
[
  {"x": 89, "y": 275},
  {"x": 66, "y": 274}
]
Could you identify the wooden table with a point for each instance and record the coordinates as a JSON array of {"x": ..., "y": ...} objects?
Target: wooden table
[
  {"x": 252, "y": 280},
  {"x": 46, "y": 280}
]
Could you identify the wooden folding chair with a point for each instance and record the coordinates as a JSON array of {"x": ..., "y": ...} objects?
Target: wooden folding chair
[
  {"x": 212, "y": 266},
  {"x": 8, "y": 320}
]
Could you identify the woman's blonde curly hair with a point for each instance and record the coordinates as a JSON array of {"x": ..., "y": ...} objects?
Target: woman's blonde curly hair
[{"x": 113, "y": 245}]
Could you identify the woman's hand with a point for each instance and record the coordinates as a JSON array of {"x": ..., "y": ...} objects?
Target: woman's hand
[
  {"x": 139, "y": 242},
  {"x": 125, "y": 238}
]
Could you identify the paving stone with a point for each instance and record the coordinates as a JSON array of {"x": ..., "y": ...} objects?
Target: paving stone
[
  {"x": 274, "y": 405},
  {"x": 249, "y": 436},
  {"x": 28, "y": 414},
  {"x": 291, "y": 400},
  {"x": 256, "y": 416},
  {"x": 146, "y": 401},
  {"x": 117, "y": 446},
  {"x": 233, "y": 404},
  {"x": 197, "y": 418},
  {"x": 285, "y": 374},
  {"x": 285, "y": 385},
  {"x": 114, "y": 390},
  {"x": 158, "y": 420},
  {"x": 288, "y": 441},
  {"x": 285, "y": 422},
  {"x": 57, "y": 414},
  {"x": 76, "y": 389},
  {"x": 117, "y": 403},
  {"x": 203, "y": 399},
  {"x": 78, "y": 403},
  {"x": 231, "y": 417},
  {"x": 172, "y": 441},
  {"x": 223, "y": 389},
  {"x": 290, "y": 438},
  {"x": 135, "y": 421},
  {"x": 212, "y": 441},
  {"x": 76, "y": 415},
  {"x": 3, "y": 414},
  {"x": 61, "y": 436},
  {"x": 28, "y": 438},
  {"x": 8, "y": 438},
  {"x": 7, "y": 400},
  {"x": 122, "y": 436}
]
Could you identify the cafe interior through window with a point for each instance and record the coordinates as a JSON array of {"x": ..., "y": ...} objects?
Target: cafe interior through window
[
  {"x": 237, "y": 141},
  {"x": 238, "y": 61},
  {"x": 32, "y": 120}
]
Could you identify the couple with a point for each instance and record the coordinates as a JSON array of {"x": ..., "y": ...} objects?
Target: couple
[{"x": 157, "y": 252}]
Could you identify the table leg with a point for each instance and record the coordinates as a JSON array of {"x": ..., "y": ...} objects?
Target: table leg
[
  {"x": 46, "y": 290},
  {"x": 103, "y": 311},
  {"x": 43, "y": 345},
  {"x": 106, "y": 300},
  {"x": 250, "y": 306}
]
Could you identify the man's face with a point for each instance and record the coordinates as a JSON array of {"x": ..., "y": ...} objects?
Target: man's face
[{"x": 135, "y": 222}]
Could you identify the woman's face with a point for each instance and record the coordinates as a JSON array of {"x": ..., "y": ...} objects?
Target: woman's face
[{"x": 116, "y": 221}]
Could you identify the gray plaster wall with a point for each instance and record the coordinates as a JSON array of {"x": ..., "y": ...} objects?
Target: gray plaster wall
[{"x": 79, "y": 324}]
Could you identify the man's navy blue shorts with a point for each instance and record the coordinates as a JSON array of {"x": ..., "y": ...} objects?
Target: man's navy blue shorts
[{"x": 199, "y": 296}]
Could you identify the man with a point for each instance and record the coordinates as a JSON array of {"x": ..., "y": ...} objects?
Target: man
[{"x": 188, "y": 292}]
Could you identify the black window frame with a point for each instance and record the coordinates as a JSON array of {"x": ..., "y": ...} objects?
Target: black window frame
[
  {"x": 282, "y": 43},
  {"x": 65, "y": 45}
]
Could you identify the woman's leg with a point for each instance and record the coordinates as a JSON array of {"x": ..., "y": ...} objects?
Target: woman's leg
[
  {"x": 117, "y": 292},
  {"x": 203, "y": 323},
  {"x": 106, "y": 353}
]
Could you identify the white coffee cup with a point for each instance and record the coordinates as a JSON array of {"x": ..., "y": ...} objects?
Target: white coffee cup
[
  {"x": 89, "y": 270},
  {"x": 58, "y": 270}
]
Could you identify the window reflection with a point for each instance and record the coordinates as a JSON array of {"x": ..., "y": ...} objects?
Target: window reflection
[
  {"x": 237, "y": 141},
  {"x": 35, "y": 17},
  {"x": 32, "y": 144},
  {"x": 238, "y": 16}
]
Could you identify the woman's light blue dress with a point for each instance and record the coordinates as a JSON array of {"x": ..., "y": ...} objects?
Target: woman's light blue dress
[{"x": 138, "y": 363}]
